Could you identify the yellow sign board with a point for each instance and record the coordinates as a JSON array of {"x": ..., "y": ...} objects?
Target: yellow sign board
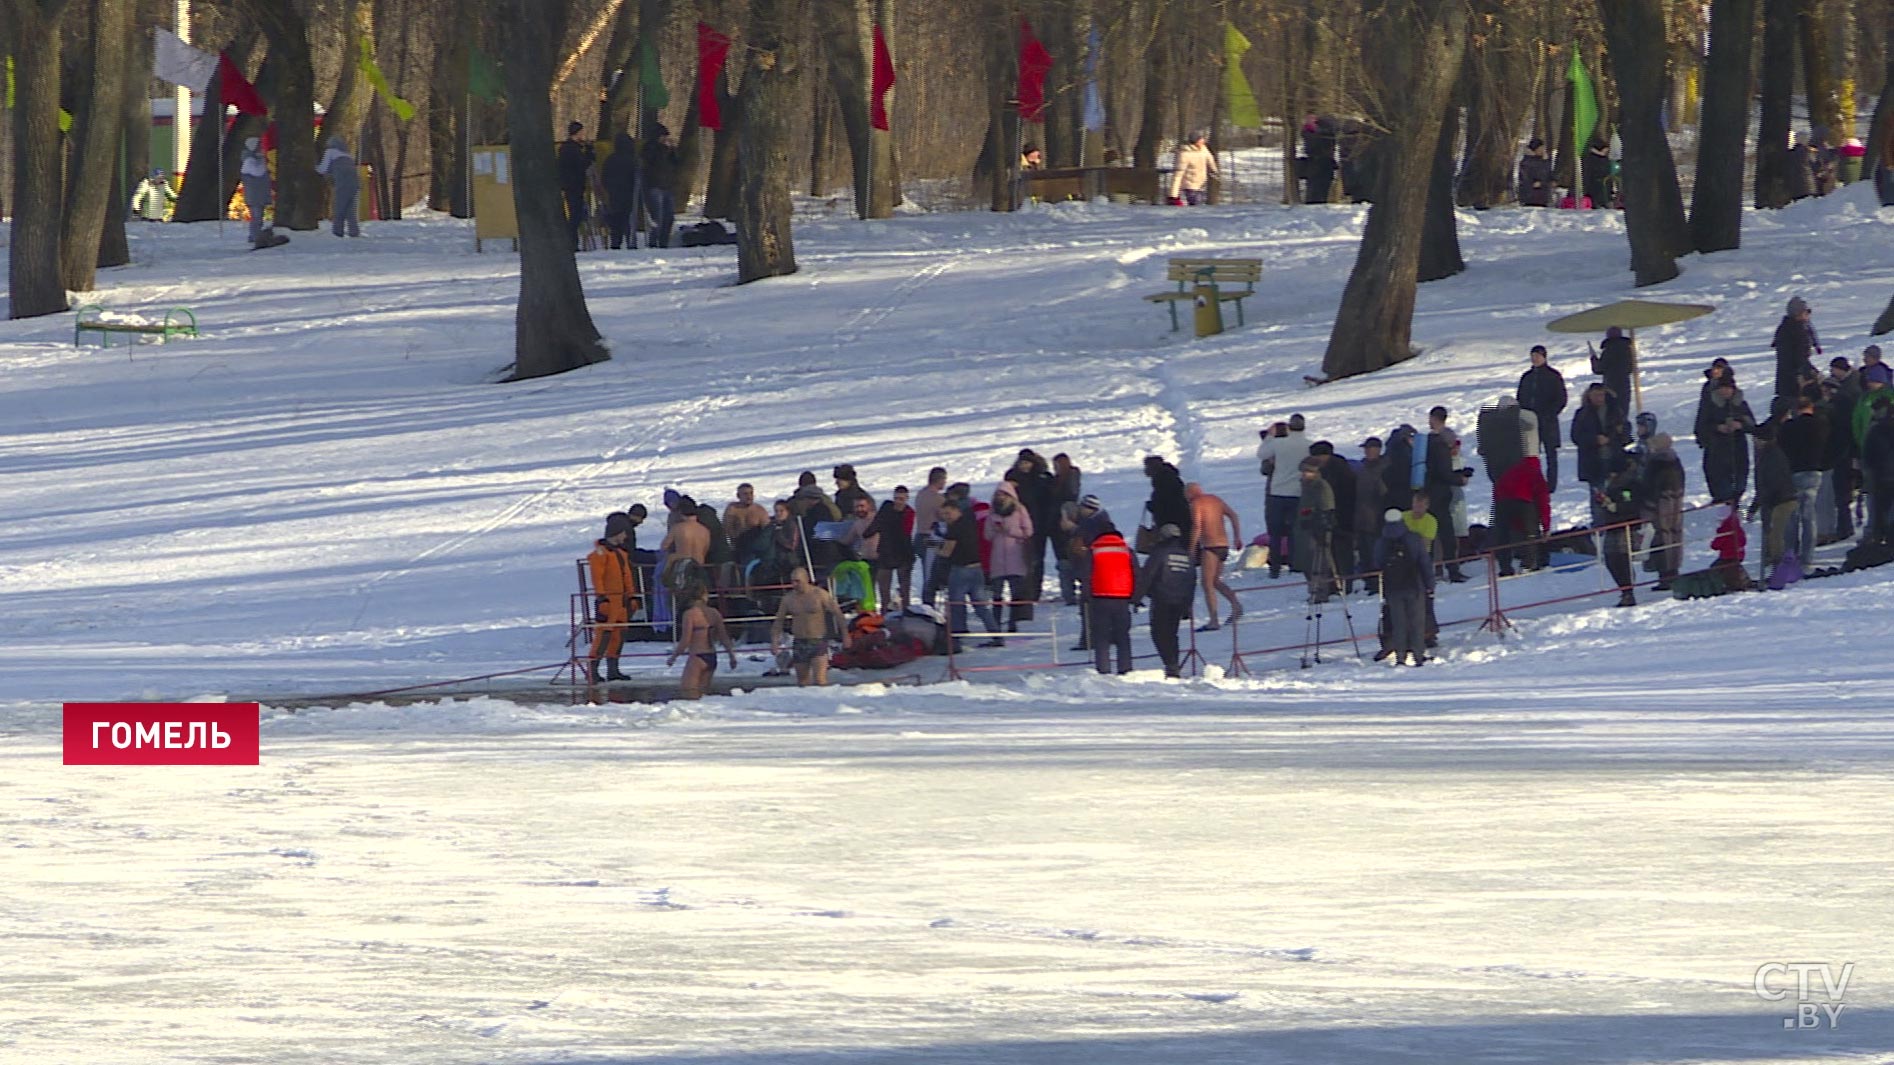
[{"x": 494, "y": 218}]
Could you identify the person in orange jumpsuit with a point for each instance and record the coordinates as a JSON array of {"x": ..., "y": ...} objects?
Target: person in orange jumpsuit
[{"x": 610, "y": 567}]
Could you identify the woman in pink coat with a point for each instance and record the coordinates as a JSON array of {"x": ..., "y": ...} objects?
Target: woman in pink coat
[{"x": 1008, "y": 532}]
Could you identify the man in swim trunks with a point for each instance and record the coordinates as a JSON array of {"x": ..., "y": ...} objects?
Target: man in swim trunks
[
  {"x": 815, "y": 622},
  {"x": 1210, "y": 546},
  {"x": 699, "y": 629}
]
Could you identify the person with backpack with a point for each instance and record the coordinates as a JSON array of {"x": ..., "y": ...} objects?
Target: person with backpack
[
  {"x": 1113, "y": 583},
  {"x": 1542, "y": 391},
  {"x": 1442, "y": 477},
  {"x": 1407, "y": 580},
  {"x": 1168, "y": 580}
]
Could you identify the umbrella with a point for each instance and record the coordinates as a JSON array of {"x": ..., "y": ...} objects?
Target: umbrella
[
  {"x": 1632, "y": 315},
  {"x": 1628, "y": 314}
]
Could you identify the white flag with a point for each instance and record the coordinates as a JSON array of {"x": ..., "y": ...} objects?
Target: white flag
[{"x": 180, "y": 64}]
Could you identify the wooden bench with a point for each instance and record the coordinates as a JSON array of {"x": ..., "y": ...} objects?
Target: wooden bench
[
  {"x": 1188, "y": 273},
  {"x": 178, "y": 321}
]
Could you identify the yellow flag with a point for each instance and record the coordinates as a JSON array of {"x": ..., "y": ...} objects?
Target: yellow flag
[
  {"x": 403, "y": 109},
  {"x": 1239, "y": 103}
]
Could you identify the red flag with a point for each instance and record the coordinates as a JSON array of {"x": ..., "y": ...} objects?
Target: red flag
[
  {"x": 237, "y": 91},
  {"x": 712, "y": 49},
  {"x": 1034, "y": 62},
  {"x": 883, "y": 81}
]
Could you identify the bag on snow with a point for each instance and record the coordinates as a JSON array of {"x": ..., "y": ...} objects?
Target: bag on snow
[
  {"x": 1787, "y": 572},
  {"x": 851, "y": 582},
  {"x": 1867, "y": 555}
]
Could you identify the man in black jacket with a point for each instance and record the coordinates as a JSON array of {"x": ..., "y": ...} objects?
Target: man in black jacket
[
  {"x": 575, "y": 160},
  {"x": 1341, "y": 480},
  {"x": 1614, "y": 364},
  {"x": 1723, "y": 423},
  {"x": 1442, "y": 478},
  {"x": 1775, "y": 495},
  {"x": 1542, "y": 391},
  {"x": 1169, "y": 580},
  {"x": 1795, "y": 343},
  {"x": 619, "y": 176},
  {"x": 660, "y": 174},
  {"x": 1598, "y": 432},
  {"x": 1804, "y": 440},
  {"x": 1535, "y": 176}
]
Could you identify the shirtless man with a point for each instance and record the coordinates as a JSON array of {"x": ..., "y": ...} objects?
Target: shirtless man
[
  {"x": 699, "y": 629},
  {"x": 744, "y": 514},
  {"x": 687, "y": 538},
  {"x": 1211, "y": 548},
  {"x": 814, "y": 620}
]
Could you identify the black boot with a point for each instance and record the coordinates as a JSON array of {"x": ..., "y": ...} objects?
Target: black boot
[
  {"x": 611, "y": 670},
  {"x": 592, "y": 673}
]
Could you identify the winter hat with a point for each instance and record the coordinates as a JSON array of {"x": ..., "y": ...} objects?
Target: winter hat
[
  {"x": 1839, "y": 362},
  {"x": 574, "y": 127},
  {"x": 1877, "y": 372},
  {"x": 1296, "y": 424},
  {"x": 1661, "y": 442},
  {"x": 1646, "y": 423},
  {"x": 1871, "y": 353},
  {"x": 1090, "y": 503},
  {"x": 1392, "y": 515},
  {"x": 1534, "y": 144},
  {"x": 1373, "y": 441},
  {"x": 1321, "y": 447},
  {"x": 1613, "y": 332},
  {"x": 671, "y": 496},
  {"x": 616, "y": 524},
  {"x": 1797, "y": 305},
  {"x": 1168, "y": 531}
]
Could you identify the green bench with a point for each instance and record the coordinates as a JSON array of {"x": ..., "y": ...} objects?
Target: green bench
[
  {"x": 1188, "y": 273},
  {"x": 178, "y": 321}
]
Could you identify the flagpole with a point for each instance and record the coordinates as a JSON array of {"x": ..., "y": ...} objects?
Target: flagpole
[
  {"x": 466, "y": 160},
  {"x": 637, "y": 164}
]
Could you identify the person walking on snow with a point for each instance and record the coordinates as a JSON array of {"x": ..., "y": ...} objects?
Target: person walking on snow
[
  {"x": 1167, "y": 580},
  {"x": 153, "y": 197},
  {"x": 345, "y": 187},
  {"x": 1190, "y": 184},
  {"x": 255, "y": 174},
  {"x": 1209, "y": 546},
  {"x": 1407, "y": 581}
]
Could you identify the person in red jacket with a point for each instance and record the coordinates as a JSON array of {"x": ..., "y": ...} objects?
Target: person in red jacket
[
  {"x": 1114, "y": 578},
  {"x": 1522, "y": 511}
]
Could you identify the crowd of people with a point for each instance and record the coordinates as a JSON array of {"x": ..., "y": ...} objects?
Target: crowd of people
[
  {"x": 1812, "y": 165},
  {"x": 1392, "y": 520}
]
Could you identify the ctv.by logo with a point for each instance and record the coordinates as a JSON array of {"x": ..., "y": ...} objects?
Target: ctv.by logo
[{"x": 1815, "y": 1007}]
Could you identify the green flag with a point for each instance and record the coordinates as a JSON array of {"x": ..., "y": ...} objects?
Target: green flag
[
  {"x": 1584, "y": 103},
  {"x": 483, "y": 77},
  {"x": 649, "y": 78},
  {"x": 403, "y": 109},
  {"x": 1239, "y": 103}
]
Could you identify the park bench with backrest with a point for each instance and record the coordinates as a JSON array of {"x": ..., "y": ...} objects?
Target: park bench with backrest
[{"x": 1222, "y": 275}]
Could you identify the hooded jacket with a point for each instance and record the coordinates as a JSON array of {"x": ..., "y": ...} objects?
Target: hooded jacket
[
  {"x": 1525, "y": 482},
  {"x": 1008, "y": 534}
]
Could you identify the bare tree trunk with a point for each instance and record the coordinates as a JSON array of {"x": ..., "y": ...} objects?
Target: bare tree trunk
[
  {"x": 298, "y": 189},
  {"x": 137, "y": 118},
  {"x": 348, "y": 105},
  {"x": 1716, "y": 203},
  {"x": 446, "y": 117},
  {"x": 1778, "y": 88},
  {"x": 553, "y": 330},
  {"x": 765, "y": 245},
  {"x": 845, "y": 30},
  {"x": 822, "y": 117},
  {"x": 1653, "y": 203},
  {"x": 1002, "y": 138},
  {"x": 1817, "y": 78},
  {"x": 720, "y": 188},
  {"x": 1498, "y": 100},
  {"x": 1883, "y": 124},
  {"x": 885, "y": 171},
  {"x": 1440, "y": 236},
  {"x": 95, "y": 135},
  {"x": 1411, "y": 52},
  {"x": 618, "y": 80},
  {"x": 1156, "y": 91},
  {"x": 33, "y": 268}
]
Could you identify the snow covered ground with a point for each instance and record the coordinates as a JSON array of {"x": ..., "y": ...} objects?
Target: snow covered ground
[{"x": 1574, "y": 845}]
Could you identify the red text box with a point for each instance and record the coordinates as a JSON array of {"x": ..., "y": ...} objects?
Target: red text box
[{"x": 162, "y": 733}]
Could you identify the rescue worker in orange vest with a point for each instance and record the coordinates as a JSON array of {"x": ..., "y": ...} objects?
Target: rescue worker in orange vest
[
  {"x": 1113, "y": 581},
  {"x": 610, "y": 567}
]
